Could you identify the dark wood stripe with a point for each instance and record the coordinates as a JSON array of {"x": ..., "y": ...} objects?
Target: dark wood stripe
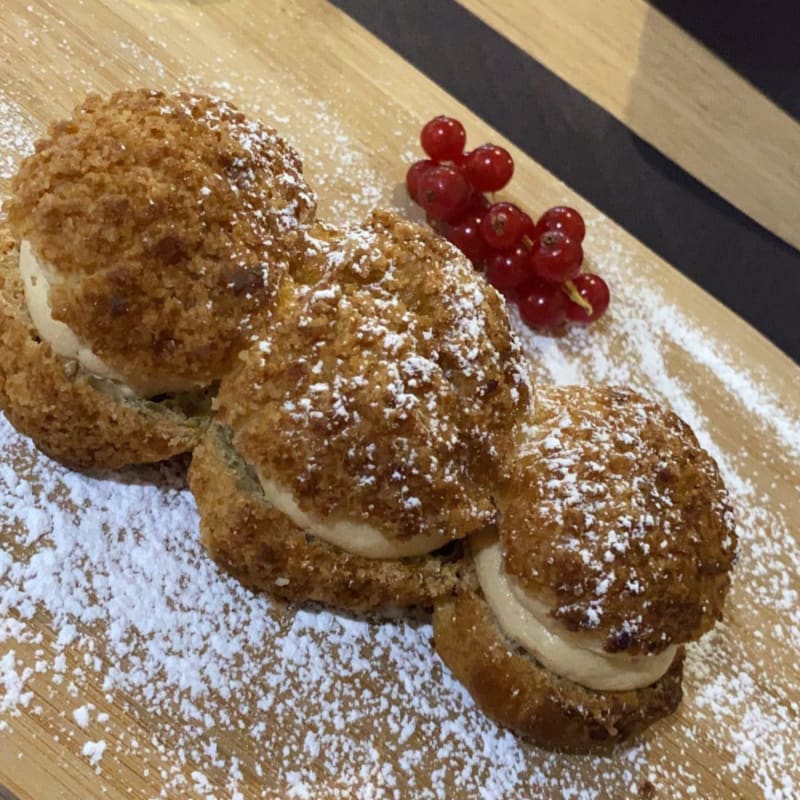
[
  {"x": 702, "y": 235},
  {"x": 7, "y": 794}
]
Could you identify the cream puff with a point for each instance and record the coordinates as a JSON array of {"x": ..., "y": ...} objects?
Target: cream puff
[
  {"x": 374, "y": 418},
  {"x": 151, "y": 232},
  {"x": 614, "y": 551}
]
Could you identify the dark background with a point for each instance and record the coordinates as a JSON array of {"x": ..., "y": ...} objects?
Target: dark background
[{"x": 705, "y": 237}]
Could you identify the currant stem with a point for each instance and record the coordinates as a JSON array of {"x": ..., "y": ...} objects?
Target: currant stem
[{"x": 572, "y": 292}]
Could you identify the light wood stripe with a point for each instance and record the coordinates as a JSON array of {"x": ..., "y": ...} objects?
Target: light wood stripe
[{"x": 672, "y": 91}]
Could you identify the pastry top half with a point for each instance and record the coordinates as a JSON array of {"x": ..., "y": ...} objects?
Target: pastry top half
[
  {"x": 386, "y": 390},
  {"x": 154, "y": 229},
  {"x": 619, "y": 524}
]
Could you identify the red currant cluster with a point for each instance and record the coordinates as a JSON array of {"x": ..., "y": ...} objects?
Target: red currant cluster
[{"x": 537, "y": 265}]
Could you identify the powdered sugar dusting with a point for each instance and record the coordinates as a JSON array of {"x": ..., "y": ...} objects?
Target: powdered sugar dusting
[
  {"x": 13, "y": 677},
  {"x": 349, "y": 188},
  {"x": 94, "y": 751},
  {"x": 16, "y": 137},
  {"x": 345, "y": 703}
]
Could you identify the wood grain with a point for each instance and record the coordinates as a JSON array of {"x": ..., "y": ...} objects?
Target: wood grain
[
  {"x": 672, "y": 91},
  {"x": 377, "y": 100}
]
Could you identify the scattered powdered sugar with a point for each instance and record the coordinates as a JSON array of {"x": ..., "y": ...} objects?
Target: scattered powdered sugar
[
  {"x": 225, "y": 691},
  {"x": 16, "y": 137},
  {"x": 82, "y": 715},
  {"x": 94, "y": 751},
  {"x": 13, "y": 677},
  {"x": 347, "y": 185}
]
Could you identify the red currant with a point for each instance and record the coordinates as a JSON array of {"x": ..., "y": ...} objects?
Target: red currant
[
  {"x": 503, "y": 226},
  {"x": 443, "y": 138},
  {"x": 466, "y": 236},
  {"x": 544, "y": 306},
  {"x": 478, "y": 204},
  {"x": 537, "y": 264},
  {"x": 444, "y": 192},
  {"x": 594, "y": 290},
  {"x": 565, "y": 219},
  {"x": 489, "y": 168},
  {"x": 506, "y": 271},
  {"x": 555, "y": 257},
  {"x": 415, "y": 172},
  {"x": 528, "y": 227}
]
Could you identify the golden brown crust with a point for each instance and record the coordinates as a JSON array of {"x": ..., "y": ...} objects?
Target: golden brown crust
[
  {"x": 387, "y": 386},
  {"x": 66, "y": 416},
  {"x": 618, "y": 519},
  {"x": 515, "y": 690},
  {"x": 264, "y": 550},
  {"x": 166, "y": 219}
]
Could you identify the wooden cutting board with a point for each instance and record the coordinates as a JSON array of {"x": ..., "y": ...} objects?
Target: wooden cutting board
[{"x": 353, "y": 108}]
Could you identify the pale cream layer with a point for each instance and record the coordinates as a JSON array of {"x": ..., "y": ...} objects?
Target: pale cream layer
[
  {"x": 562, "y": 652},
  {"x": 354, "y": 537},
  {"x": 37, "y": 277}
]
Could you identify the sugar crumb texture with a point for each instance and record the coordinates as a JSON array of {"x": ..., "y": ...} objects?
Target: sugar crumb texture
[
  {"x": 226, "y": 695},
  {"x": 367, "y": 367}
]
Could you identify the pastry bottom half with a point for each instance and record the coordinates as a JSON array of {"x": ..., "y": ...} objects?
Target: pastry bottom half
[
  {"x": 512, "y": 688},
  {"x": 56, "y": 404},
  {"x": 265, "y": 550}
]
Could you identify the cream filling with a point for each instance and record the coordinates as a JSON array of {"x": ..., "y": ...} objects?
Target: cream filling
[
  {"x": 562, "y": 652},
  {"x": 354, "y": 537},
  {"x": 37, "y": 276}
]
